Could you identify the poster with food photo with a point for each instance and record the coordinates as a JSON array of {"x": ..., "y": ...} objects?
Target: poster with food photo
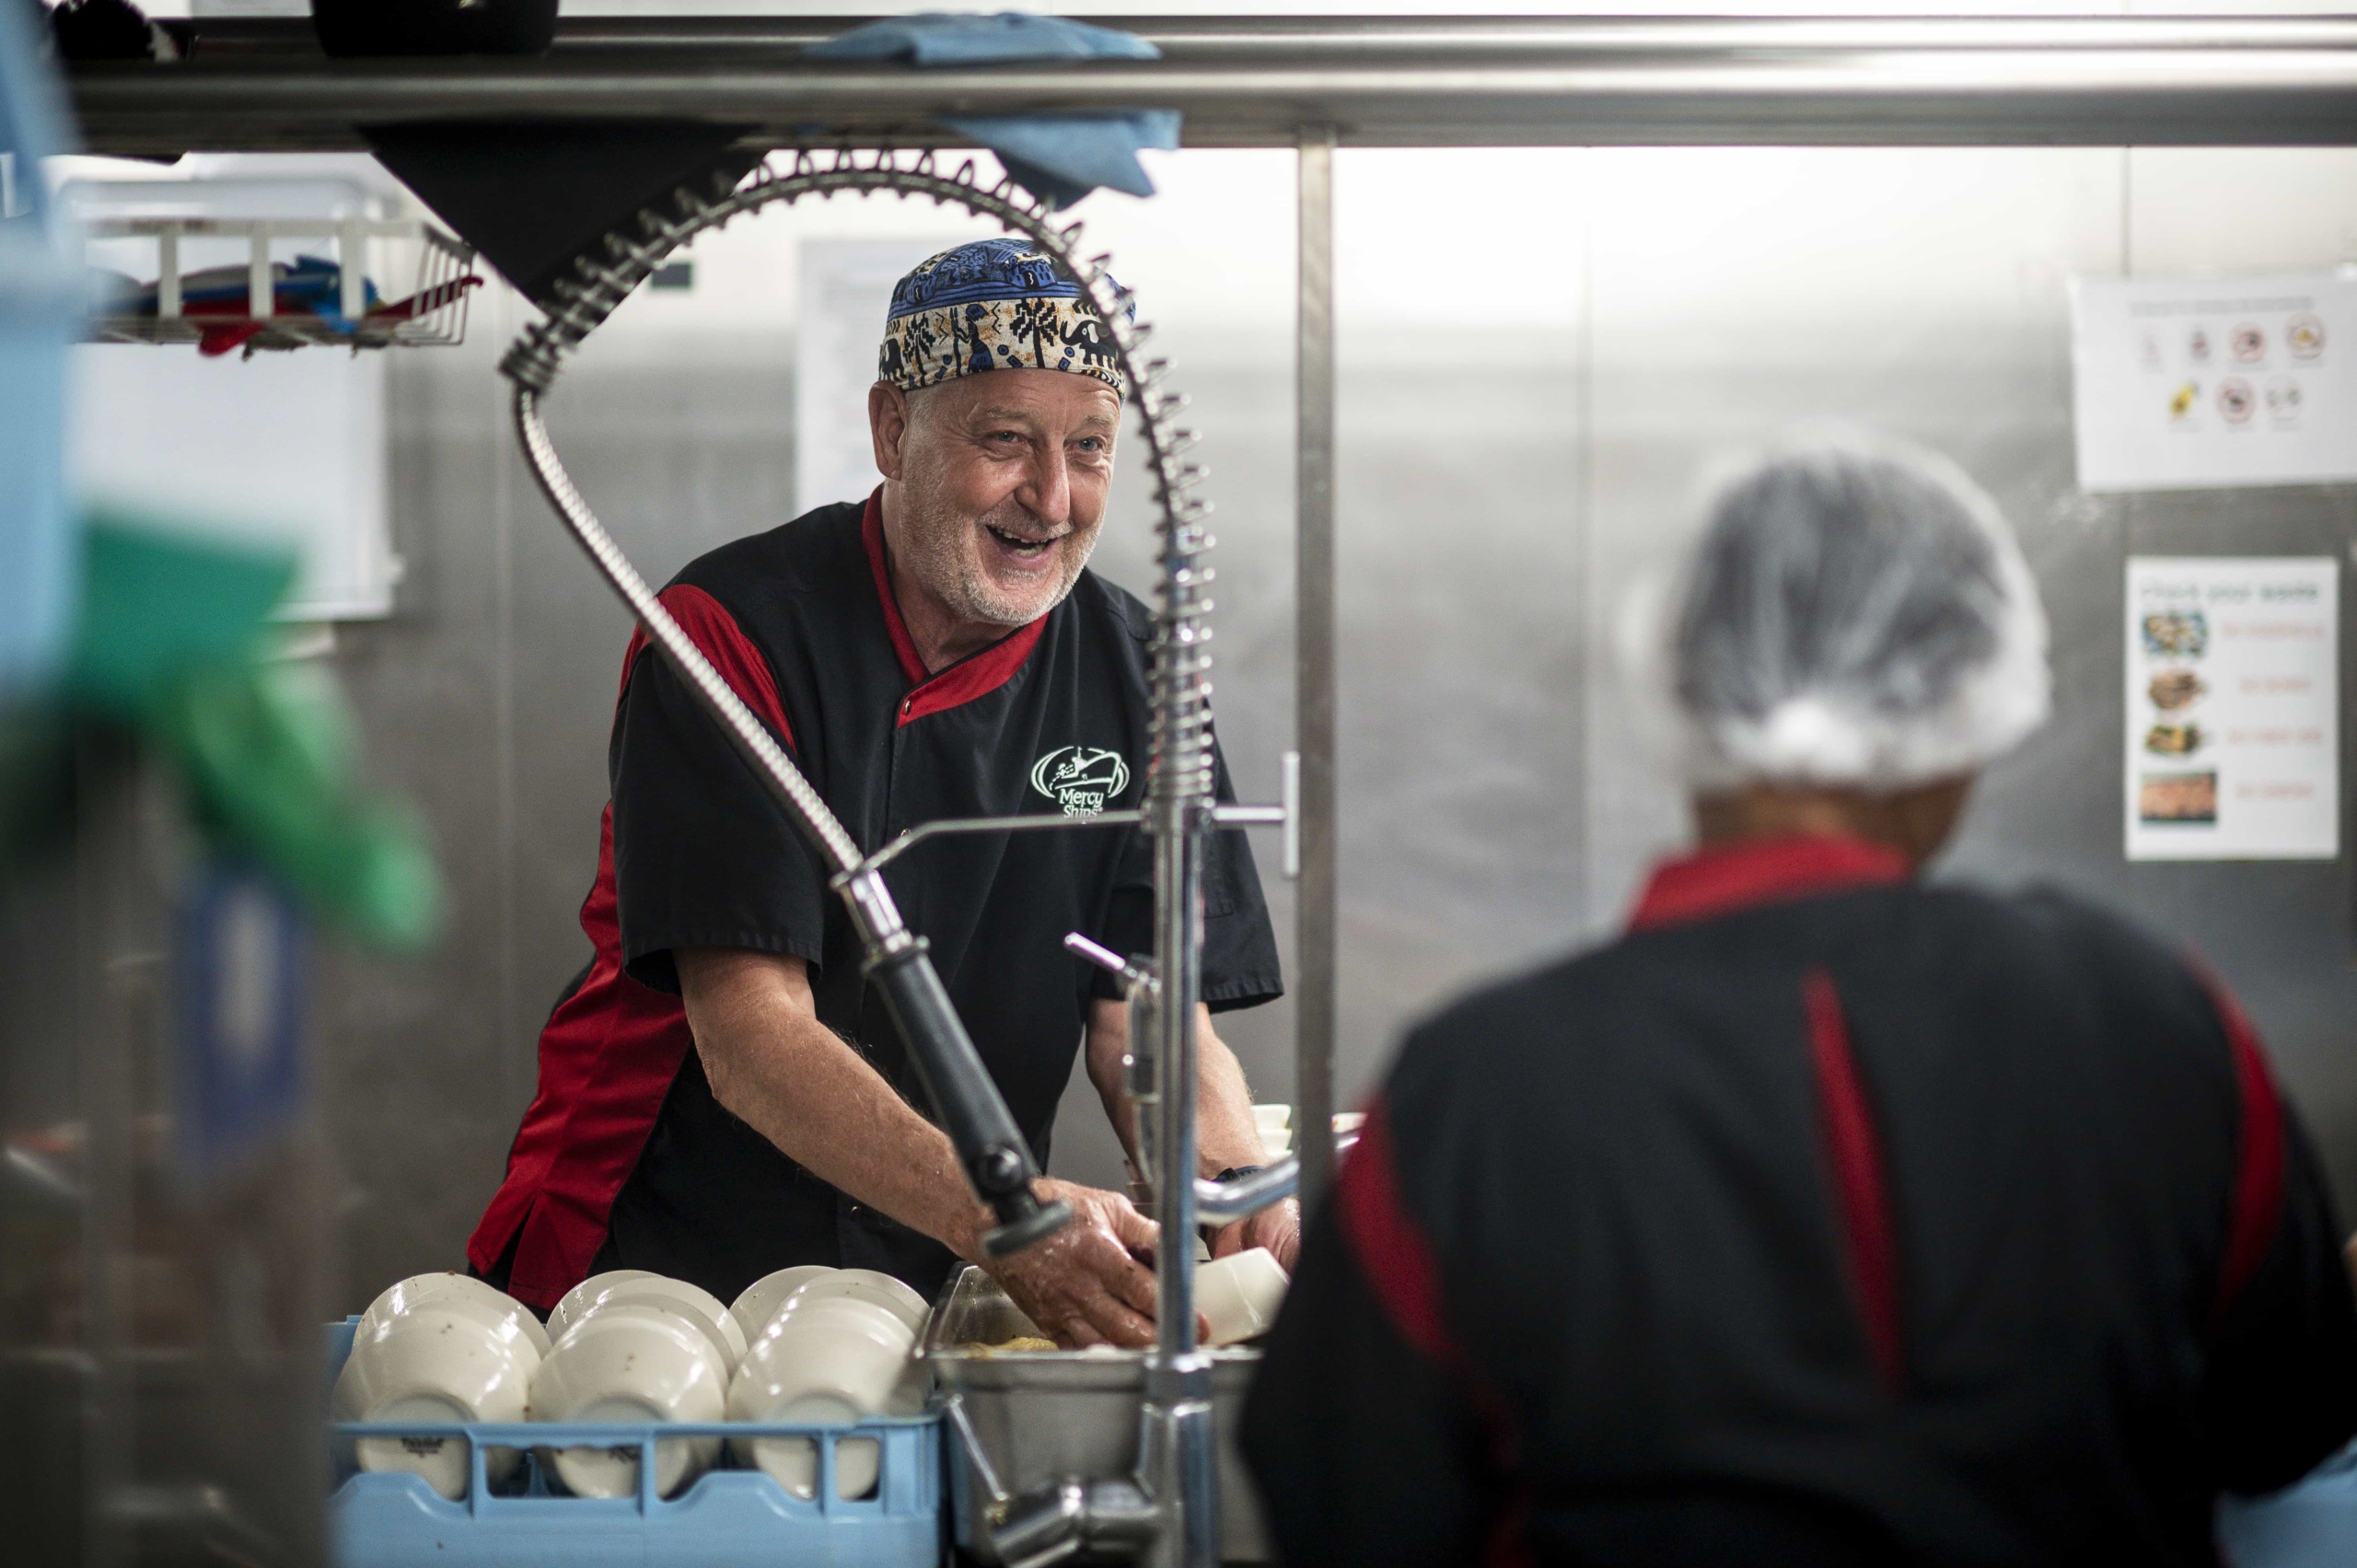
[{"x": 2232, "y": 746}]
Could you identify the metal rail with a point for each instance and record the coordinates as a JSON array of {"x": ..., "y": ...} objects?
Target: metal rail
[
  {"x": 949, "y": 827},
  {"x": 1315, "y": 906},
  {"x": 2105, "y": 81}
]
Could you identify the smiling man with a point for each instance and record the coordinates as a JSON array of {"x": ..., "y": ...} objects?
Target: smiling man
[{"x": 721, "y": 1094}]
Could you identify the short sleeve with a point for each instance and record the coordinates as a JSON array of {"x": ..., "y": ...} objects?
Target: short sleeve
[
  {"x": 1240, "y": 966},
  {"x": 704, "y": 856}
]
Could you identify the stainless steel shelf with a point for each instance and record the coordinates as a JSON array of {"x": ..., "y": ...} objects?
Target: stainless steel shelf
[{"x": 1379, "y": 81}]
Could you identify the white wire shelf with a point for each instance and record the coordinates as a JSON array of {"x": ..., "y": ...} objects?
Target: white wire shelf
[{"x": 311, "y": 302}]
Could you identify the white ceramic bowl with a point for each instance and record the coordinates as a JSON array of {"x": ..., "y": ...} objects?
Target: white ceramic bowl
[
  {"x": 1273, "y": 1118},
  {"x": 509, "y": 1317},
  {"x": 434, "y": 1365},
  {"x": 693, "y": 1303},
  {"x": 758, "y": 1302},
  {"x": 570, "y": 1306},
  {"x": 1276, "y": 1141},
  {"x": 857, "y": 1284},
  {"x": 831, "y": 1361},
  {"x": 1239, "y": 1296},
  {"x": 631, "y": 1361}
]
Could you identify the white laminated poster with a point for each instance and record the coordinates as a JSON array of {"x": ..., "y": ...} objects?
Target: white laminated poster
[
  {"x": 2201, "y": 383},
  {"x": 847, "y": 288},
  {"x": 2234, "y": 749}
]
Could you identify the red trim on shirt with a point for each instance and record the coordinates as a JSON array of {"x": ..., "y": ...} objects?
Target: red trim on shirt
[
  {"x": 1403, "y": 1272},
  {"x": 871, "y": 533},
  {"x": 2257, "y": 1213},
  {"x": 717, "y": 636},
  {"x": 1720, "y": 878},
  {"x": 1392, "y": 1252},
  {"x": 611, "y": 1050},
  {"x": 607, "y": 1057},
  {"x": 1854, "y": 1149},
  {"x": 978, "y": 676}
]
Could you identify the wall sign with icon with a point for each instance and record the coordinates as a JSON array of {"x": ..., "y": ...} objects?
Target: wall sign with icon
[{"x": 2199, "y": 383}]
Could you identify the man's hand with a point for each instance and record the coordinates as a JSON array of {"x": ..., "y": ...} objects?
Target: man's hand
[
  {"x": 1276, "y": 1228},
  {"x": 1085, "y": 1285}
]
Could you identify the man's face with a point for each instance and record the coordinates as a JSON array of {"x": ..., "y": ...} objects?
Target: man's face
[{"x": 1001, "y": 482}]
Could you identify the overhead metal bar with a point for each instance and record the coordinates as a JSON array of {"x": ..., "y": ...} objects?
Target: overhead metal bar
[
  {"x": 1317, "y": 907},
  {"x": 2104, "y": 81}
]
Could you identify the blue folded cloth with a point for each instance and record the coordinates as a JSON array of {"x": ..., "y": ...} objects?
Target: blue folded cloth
[
  {"x": 1063, "y": 157},
  {"x": 1059, "y": 157},
  {"x": 940, "y": 37}
]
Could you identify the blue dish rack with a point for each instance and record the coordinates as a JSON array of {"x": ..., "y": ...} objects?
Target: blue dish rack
[{"x": 726, "y": 1518}]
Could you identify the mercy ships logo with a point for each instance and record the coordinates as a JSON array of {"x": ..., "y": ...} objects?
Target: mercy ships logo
[{"x": 1080, "y": 779}]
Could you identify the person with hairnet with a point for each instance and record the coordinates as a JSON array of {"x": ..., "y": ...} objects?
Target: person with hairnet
[{"x": 1828, "y": 1216}]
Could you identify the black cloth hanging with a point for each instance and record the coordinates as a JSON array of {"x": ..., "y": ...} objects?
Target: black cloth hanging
[{"x": 532, "y": 196}]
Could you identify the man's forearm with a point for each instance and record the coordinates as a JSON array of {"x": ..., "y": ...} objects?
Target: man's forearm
[
  {"x": 1225, "y": 1135},
  {"x": 776, "y": 1067}
]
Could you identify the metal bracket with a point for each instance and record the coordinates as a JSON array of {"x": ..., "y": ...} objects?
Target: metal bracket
[{"x": 1038, "y": 821}]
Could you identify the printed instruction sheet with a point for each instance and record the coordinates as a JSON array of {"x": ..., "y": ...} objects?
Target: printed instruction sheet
[
  {"x": 2197, "y": 383},
  {"x": 2232, "y": 746}
]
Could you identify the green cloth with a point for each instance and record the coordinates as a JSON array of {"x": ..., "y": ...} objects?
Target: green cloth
[{"x": 174, "y": 641}]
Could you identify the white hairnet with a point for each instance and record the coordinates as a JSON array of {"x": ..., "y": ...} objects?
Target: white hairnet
[{"x": 1856, "y": 612}]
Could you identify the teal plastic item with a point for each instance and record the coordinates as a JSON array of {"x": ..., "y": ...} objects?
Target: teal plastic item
[
  {"x": 2311, "y": 1524},
  {"x": 40, "y": 313},
  {"x": 728, "y": 1518}
]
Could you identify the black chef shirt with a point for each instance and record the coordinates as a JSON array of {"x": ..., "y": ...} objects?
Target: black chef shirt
[
  {"x": 625, "y": 1159},
  {"x": 1825, "y": 1219}
]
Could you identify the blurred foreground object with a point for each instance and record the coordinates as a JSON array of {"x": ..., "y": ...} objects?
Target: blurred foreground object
[
  {"x": 39, "y": 314},
  {"x": 167, "y": 789},
  {"x": 182, "y": 797},
  {"x": 174, "y": 644}
]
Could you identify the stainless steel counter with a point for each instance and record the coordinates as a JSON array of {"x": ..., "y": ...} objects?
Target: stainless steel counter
[{"x": 1041, "y": 1415}]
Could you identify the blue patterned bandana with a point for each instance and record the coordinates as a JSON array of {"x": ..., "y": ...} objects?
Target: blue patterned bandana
[{"x": 992, "y": 304}]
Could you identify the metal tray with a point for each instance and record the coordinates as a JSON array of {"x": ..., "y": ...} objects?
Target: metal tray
[{"x": 1044, "y": 1414}]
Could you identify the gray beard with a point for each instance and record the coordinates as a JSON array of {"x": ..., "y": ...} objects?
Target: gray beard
[{"x": 939, "y": 560}]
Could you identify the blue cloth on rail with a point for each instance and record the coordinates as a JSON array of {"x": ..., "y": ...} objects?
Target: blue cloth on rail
[
  {"x": 940, "y": 37},
  {"x": 1063, "y": 157},
  {"x": 1060, "y": 157}
]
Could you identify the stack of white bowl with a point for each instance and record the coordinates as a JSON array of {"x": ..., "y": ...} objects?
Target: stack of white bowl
[
  {"x": 1275, "y": 1124},
  {"x": 639, "y": 1348},
  {"x": 829, "y": 1346},
  {"x": 439, "y": 1348},
  {"x": 1239, "y": 1296}
]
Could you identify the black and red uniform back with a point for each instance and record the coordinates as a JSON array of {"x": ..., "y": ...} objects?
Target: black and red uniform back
[
  {"x": 624, "y": 1158},
  {"x": 1825, "y": 1218}
]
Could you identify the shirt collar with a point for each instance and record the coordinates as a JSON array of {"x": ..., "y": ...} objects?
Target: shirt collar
[
  {"x": 871, "y": 534},
  {"x": 1723, "y": 878},
  {"x": 976, "y": 675}
]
